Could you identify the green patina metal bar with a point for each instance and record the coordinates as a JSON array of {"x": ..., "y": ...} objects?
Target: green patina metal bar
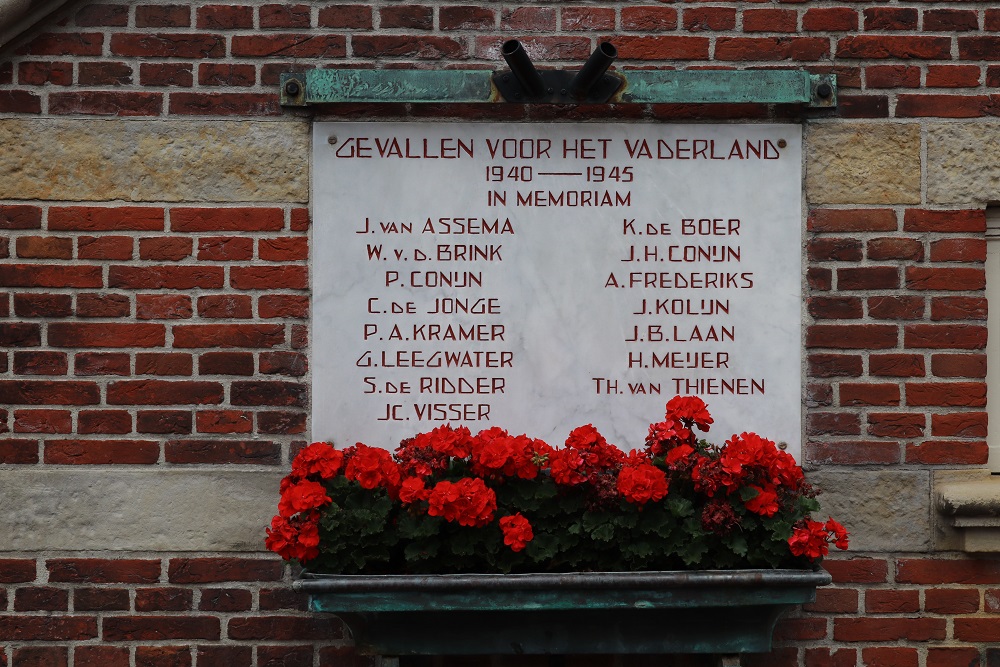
[{"x": 327, "y": 86}]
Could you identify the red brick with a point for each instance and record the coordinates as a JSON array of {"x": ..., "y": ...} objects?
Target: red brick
[
  {"x": 166, "y": 277},
  {"x": 100, "y": 656},
  {"x": 45, "y": 275},
  {"x": 941, "y": 452},
  {"x": 896, "y": 307},
  {"x": 771, "y": 48},
  {"x": 40, "y": 656},
  {"x": 868, "y": 278},
  {"x": 163, "y": 307},
  {"x": 43, "y": 305},
  {"x": 20, "y": 334},
  {"x": 420, "y": 17},
  {"x": 951, "y": 600},
  {"x": 273, "y": 393},
  {"x": 44, "y": 247},
  {"x": 102, "y": 15},
  {"x": 824, "y": 657},
  {"x": 19, "y": 101},
  {"x": 282, "y": 628},
  {"x": 826, "y": 249},
  {"x": 700, "y": 19},
  {"x": 106, "y": 334},
  {"x": 104, "y": 421},
  {"x": 944, "y": 336},
  {"x": 106, "y": 103},
  {"x": 253, "y": 452},
  {"x": 226, "y": 219},
  {"x": 41, "y": 73},
  {"x": 228, "y": 600},
  {"x": 863, "y": 106},
  {"x": 225, "y": 306},
  {"x": 104, "y": 74},
  {"x": 893, "y": 46},
  {"x": 947, "y": 394},
  {"x": 919, "y": 220},
  {"x": 949, "y": 279},
  {"x": 164, "y": 392},
  {"x": 101, "y": 363},
  {"x": 892, "y": 76},
  {"x": 164, "y": 599},
  {"x": 770, "y": 20},
  {"x": 166, "y": 74},
  {"x": 959, "y": 365},
  {"x": 20, "y": 217},
  {"x": 213, "y": 570},
  {"x": 895, "y": 248},
  {"x": 830, "y": 19},
  {"x": 661, "y": 48},
  {"x": 285, "y": 656},
  {"x": 953, "y": 76},
  {"x": 163, "y": 421},
  {"x": 48, "y": 392},
  {"x": 977, "y": 48},
  {"x": 834, "y": 601},
  {"x": 101, "y": 218},
  {"x": 104, "y": 247},
  {"x": 834, "y": 365},
  {"x": 853, "y": 220},
  {"x": 225, "y": 248},
  {"x": 64, "y": 44},
  {"x": 888, "y": 629},
  {"x": 283, "y": 305},
  {"x": 103, "y": 305},
  {"x": 281, "y": 423},
  {"x": 300, "y": 336},
  {"x": 229, "y": 335},
  {"x": 946, "y": 106},
  {"x": 890, "y": 18},
  {"x": 285, "y": 16},
  {"x": 283, "y": 249},
  {"x": 101, "y": 452},
  {"x": 959, "y": 424},
  {"x": 798, "y": 629},
  {"x": 131, "y": 628},
  {"x": 852, "y": 336},
  {"x": 889, "y": 657},
  {"x": 226, "y": 363},
  {"x": 43, "y": 421},
  {"x": 958, "y": 250},
  {"x": 223, "y": 74},
  {"x": 950, "y": 20},
  {"x": 163, "y": 656},
  {"x": 852, "y": 452},
  {"x": 224, "y": 104},
  {"x": 896, "y": 425},
  {"x": 103, "y": 571},
  {"x": 958, "y": 656},
  {"x": 829, "y": 423},
  {"x": 269, "y": 277},
  {"x": 958, "y": 308},
  {"x": 41, "y": 598},
  {"x": 163, "y": 45},
  {"x": 100, "y": 599},
  {"x": 879, "y": 601},
  {"x": 534, "y": 19},
  {"x": 648, "y": 18},
  {"x": 224, "y": 17},
  {"x": 346, "y": 16},
  {"x": 295, "y": 46},
  {"x": 168, "y": 248},
  {"x": 977, "y": 630},
  {"x": 163, "y": 16},
  {"x": 224, "y": 421},
  {"x": 16, "y": 570},
  {"x": 283, "y": 363},
  {"x": 163, "y": 363},
  {"x": 274, "y": 599},
  {"x": 588, "y": 18},
  {"x": 225, "y": 656},
  {"x": 869, "y": 394}
]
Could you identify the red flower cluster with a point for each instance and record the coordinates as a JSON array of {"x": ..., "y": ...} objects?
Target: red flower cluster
[
  {"x": 468, "y": 502},
  {"x": 372, "y": 467},
  {"x": 642, "y": 482},
  {"x": 497, "y": 453},
  {"x": 516, "y": 532},
  {"x": 812, "y": 538}
]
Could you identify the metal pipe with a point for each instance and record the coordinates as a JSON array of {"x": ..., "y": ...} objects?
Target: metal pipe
[
  {"x": 520, "y": 64},
  {"x": 591, "y": 72}
]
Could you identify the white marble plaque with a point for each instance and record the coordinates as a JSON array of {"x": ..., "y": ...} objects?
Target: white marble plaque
[{"x": 543, "y": 276}]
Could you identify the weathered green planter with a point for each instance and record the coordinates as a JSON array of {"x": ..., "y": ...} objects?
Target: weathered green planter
[{"x": 586, "y": 613}]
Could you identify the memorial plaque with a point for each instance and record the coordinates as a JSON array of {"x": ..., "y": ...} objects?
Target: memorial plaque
[{"x": 543, "y": 276}]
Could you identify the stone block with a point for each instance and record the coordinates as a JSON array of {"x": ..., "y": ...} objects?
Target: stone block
[
  {"x": 962, "y": 168},
  {"x": 883, "y": 510},
  {"x": 862, "y": 163},
  {"x": 154, "y": 160},
  {"x": 137, "y": 510}
]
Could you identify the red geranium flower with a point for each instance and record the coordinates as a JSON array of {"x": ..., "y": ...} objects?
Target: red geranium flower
[
  {"x": 516, "y": 531},
  {"x": 765, "y": 503},
  {"x": 690, "y": 410},
  {"x": 372, "y": 467},
  {"x": 469, "y": 502},
  {"x": 412, "y": 489},
  {"x": 809, "y": 539},
  {"x": 302, "y": 496},
  {"x": 296, "y": 538},
  {"x": 319, "y": 458},
  {"x": 641, "y": 483}
]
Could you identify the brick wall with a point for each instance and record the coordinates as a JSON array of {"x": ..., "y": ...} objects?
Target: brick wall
[{"x": 154, "y": 294}]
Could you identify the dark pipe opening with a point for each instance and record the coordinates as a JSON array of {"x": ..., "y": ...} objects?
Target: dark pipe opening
[
  {"x": 591, "y": 72},
  {"x": 520, "y": 64}
]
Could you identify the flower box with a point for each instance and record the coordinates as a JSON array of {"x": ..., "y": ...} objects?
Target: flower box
[{"x": 720, "y": 612}]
